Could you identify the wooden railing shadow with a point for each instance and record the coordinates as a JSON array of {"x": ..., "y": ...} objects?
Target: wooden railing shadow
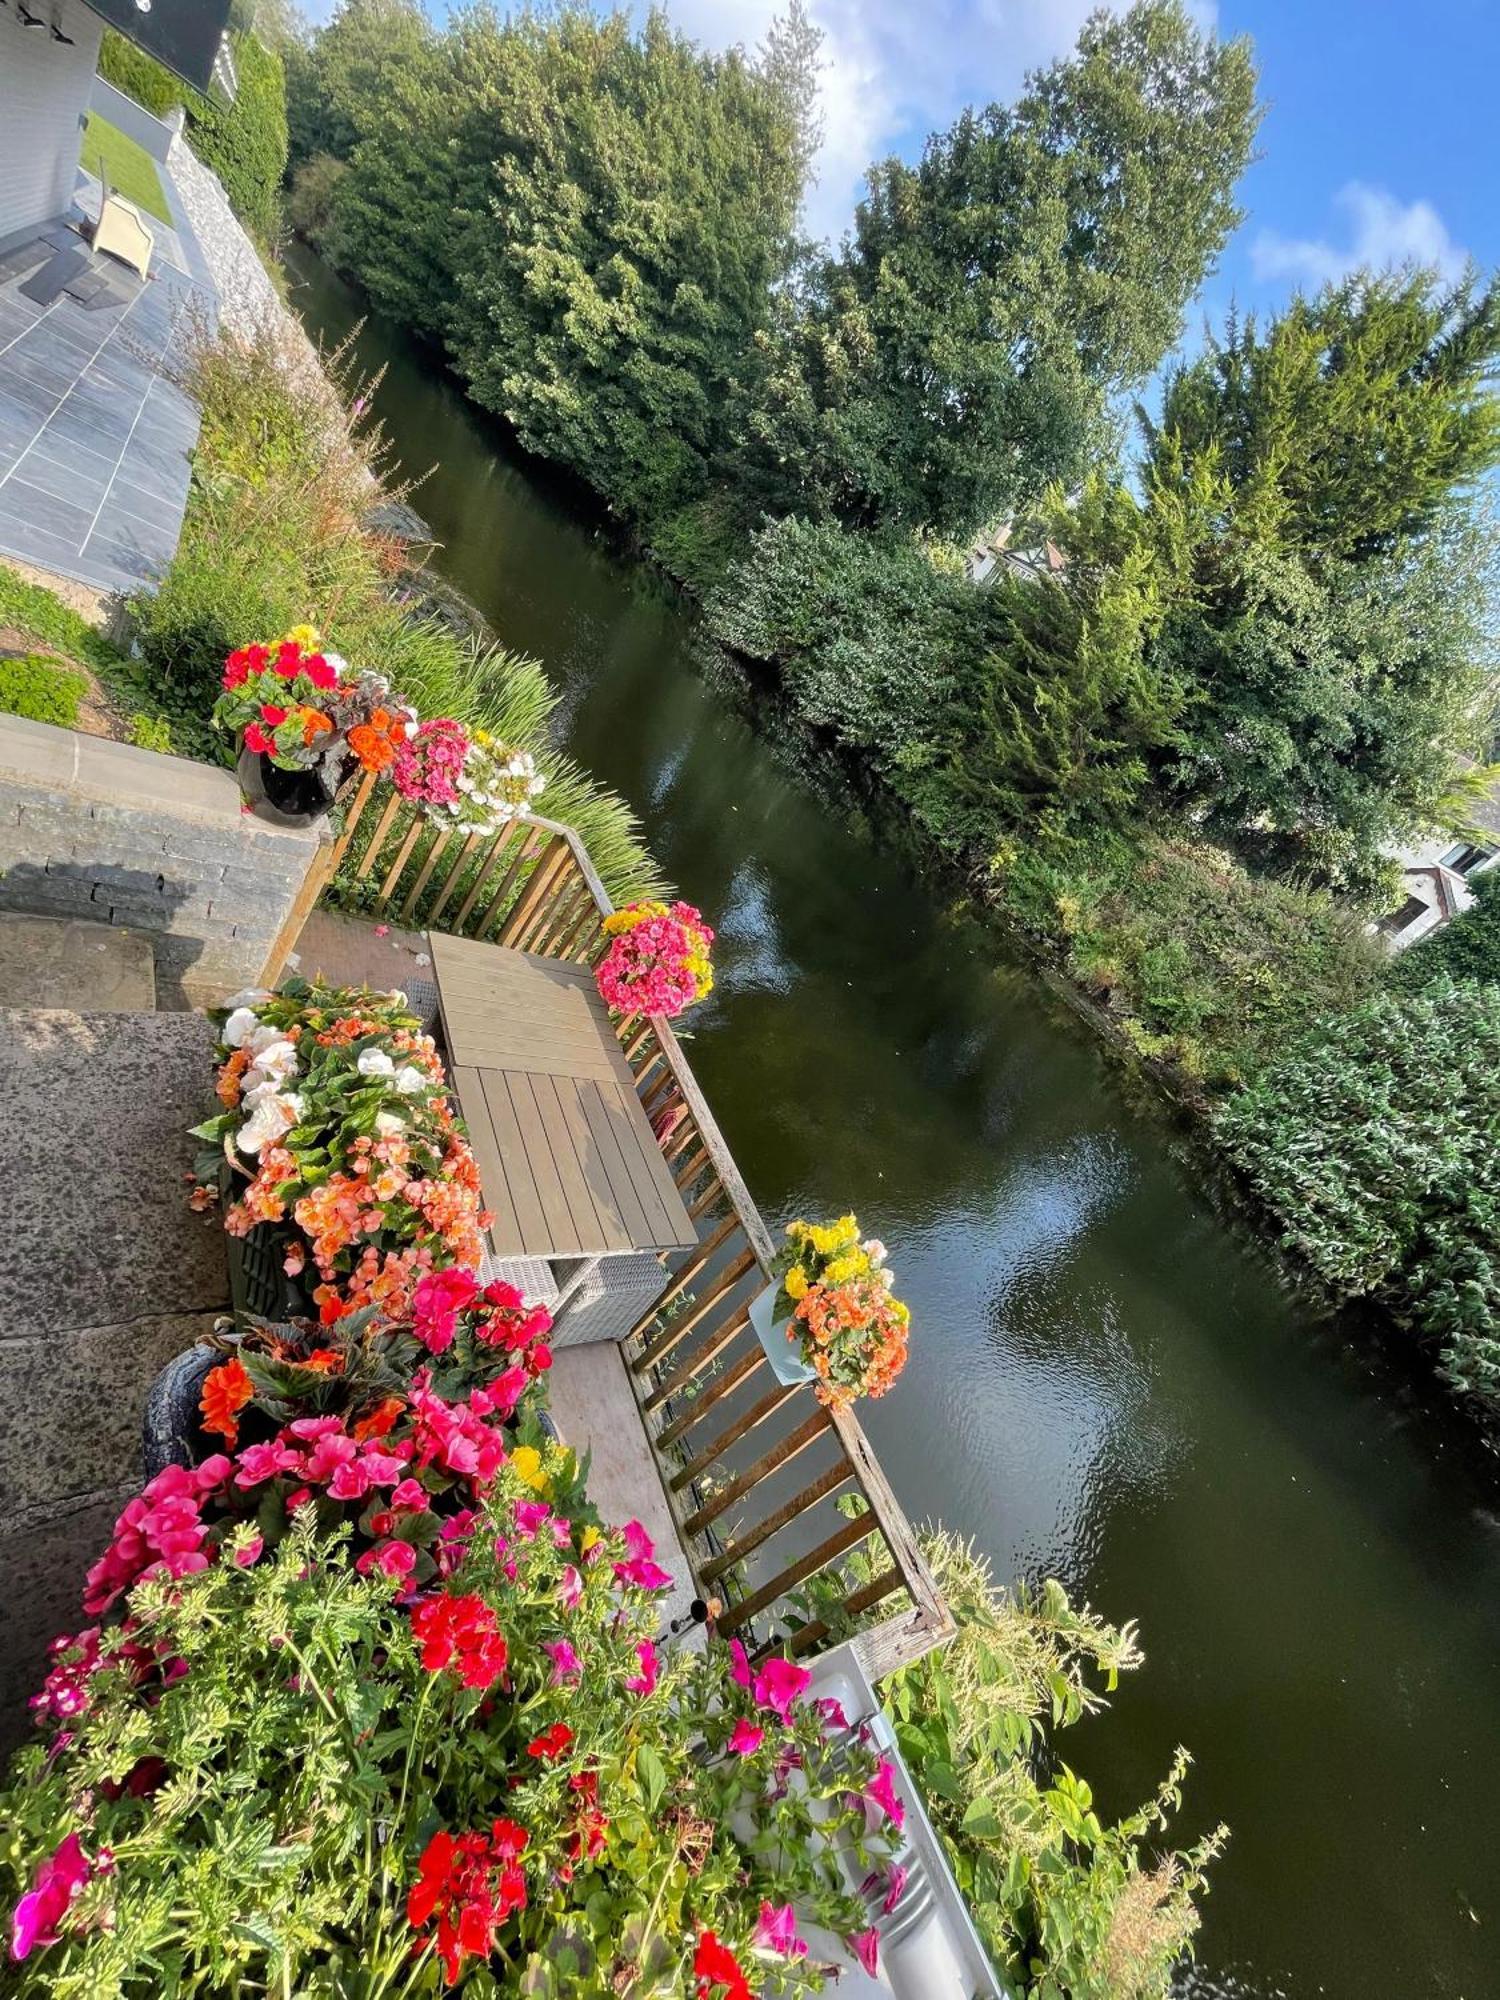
[{"x": 782, "y": 1507}]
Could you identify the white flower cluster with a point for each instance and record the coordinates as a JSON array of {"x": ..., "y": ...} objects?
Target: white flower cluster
[
  {"x": 408, "y": 1079},
  {"x": 877, "y": 1253},
  {"x": 496, "y": 785},
  {"x": 273, "y": 1108}
]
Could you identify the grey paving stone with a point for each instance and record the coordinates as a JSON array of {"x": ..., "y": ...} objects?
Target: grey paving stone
[
  {"x": 141, "y": 503},
  {"x": 46, "y": 1560},
  {"x": 55, "y": 962},
  {"x": 83, "y": 483},
  {"x": 43, "y": 511}
]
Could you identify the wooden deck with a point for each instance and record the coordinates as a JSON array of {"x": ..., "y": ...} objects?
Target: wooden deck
[{"x": 566, "y": 1154}]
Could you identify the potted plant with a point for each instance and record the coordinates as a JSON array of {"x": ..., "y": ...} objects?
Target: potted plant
[
  {"x": 658, "y": 959},
  {"x": 280, "y": 702},
  {"x": 830, "y": 1316}
]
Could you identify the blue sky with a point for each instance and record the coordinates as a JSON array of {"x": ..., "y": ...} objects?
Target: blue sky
[{"x": 1377, "y": 143}]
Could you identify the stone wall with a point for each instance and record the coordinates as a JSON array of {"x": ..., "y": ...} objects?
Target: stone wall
[{"x": 113, "y": 834}]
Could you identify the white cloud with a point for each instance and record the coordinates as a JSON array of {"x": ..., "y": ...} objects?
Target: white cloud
[
  {"x": 1383, "y": 232},
  {"x": 897, "y": 69}
]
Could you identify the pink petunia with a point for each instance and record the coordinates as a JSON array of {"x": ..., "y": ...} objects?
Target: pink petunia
[
  {"x": 566, "y": 1665},
  {"x": 250, "y": 1554},
  {"x": 779, "y": 1683},
  {"x": 644, "y": 1574},
  {"x": 746, "y": 1737},
  {"x": 740, "y": 1672},
  {"x": 644, "y": 1682},
  {"x": 866, "y": 1948},
  {"x": 569, "y": 1587},
  {"x": 776, "y": 1931},
  {"x": 881, "y": 1791},
  {"x": 59, "y": 1882},
  {"x": 397, "y": 1559},
  {"x": 530, "y": 1516}
]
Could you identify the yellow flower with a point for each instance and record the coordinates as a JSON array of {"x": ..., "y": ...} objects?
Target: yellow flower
[
  {"x": 588, "y": 1538},
  {"x": 795, "y": 1282},
  {"x": 526, "y": 1461},
  {"x": 305, "y": 636}
]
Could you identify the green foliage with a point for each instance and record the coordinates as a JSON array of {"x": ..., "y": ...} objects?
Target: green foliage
[
  {"x": 127, "y": 167},
  {"x": 245, "y": 143},
  {"x": 1069, "y": 1907},
  {"x": 1466, "y": 948},
  {"x": 310, "y": 202},
  {"x": 140, "y": 76},
  {"x": 41, "y": 688},
  {"x": 152, "y": 732},
  {"x": 335, "y": 86},
  {"x": 1373, "y": 1143},
  {"x": 1206, "y": 966},
  {"x": 960, "y": 352},
  {"x": 34, "y": 610}
]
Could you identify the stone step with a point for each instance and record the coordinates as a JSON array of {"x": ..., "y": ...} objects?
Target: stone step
[
  {"x": 106, "y": 1273},
  {"x": 69, "y": 962}
]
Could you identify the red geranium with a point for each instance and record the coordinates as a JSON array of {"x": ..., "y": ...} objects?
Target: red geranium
[
  {"x": 460, "y": 1632},
  {"x": 471, "y": 1885},
  {"x": 551, "y": 1743},
  {"x": 716, "y": 1965}
]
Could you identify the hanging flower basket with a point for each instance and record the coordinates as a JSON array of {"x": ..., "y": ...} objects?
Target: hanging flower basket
[
  {"x": 833, "y": 1305},
  {"x": 772, "y": 1324}
]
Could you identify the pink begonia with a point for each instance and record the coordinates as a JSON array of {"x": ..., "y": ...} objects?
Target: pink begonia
[
  {"x": 648, "y": 969},
  {"x": 454, "y": 1436},
  {"x": 259, "y": 1462},
  {"x": 645, "y": 1681},
  {"x": 776, "y": 1931},
  {"x": 159, "y": 1533},
  {"x": 396, "y": 1559},
  {"x": 409, "y": 1497},
  {"x": 500, "y": 1397},
  {"x": 37, "y": 1921},
  {"x": 740, "y": 1672},
  {"x": 531, "y": 1515},
  {"x": 437, "y": 1300},
  {"x": 746, "y": 1737},
  {"x": 881, "y": 1792},
  {"x": 779, "y": 1683},
  {"x": 569, "y": 1587},
  {"x": 866, "y": 1948},
  {"x": 428, "y": 764},
  {"x": 895, "y": 1887},
  {"x": 566, "y": 1665}
]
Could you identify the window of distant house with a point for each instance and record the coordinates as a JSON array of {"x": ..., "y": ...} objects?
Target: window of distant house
[
  {"x": 1465, "y": 858},
  {"x": 1398, "y": 920}
]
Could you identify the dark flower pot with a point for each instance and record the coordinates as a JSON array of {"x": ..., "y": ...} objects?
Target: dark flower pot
[
  {"x": 286, "y": 798},
  {"x": 171, "y": 1430}
]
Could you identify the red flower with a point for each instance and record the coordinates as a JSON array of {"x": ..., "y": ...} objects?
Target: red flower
[
  {"x": 471, "y": 1885},
  {"x": 272, "y": 715},
  {"x": 551, "y": 1743},
  {"x": 436, "y": 1302},
  {"x": 319, "y": 672},
  {"x": 460, "y": 1632},
  {"x": 716, "y": 1965},
  {"x": 586, "y": 1841},
  {"x": 288, "y": 662},
  {"x": 256, "y": 739}
]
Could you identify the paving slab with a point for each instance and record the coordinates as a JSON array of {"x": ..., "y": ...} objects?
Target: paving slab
[{"x": 58, "y": 962}]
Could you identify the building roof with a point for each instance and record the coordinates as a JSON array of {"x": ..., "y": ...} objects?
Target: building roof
[{"x": 183, "y": 35}]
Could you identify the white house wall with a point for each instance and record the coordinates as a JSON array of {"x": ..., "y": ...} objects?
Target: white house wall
[{"x": 44, "y": 96}]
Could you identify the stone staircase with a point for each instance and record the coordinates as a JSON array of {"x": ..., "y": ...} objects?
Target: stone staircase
[{"x": 105, "y": 1272}]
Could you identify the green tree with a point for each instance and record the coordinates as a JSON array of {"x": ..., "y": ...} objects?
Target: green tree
[
  {"x": 962, "y": 349},
  {"x": 339, "y": 85},
  {"x": 245, "y": 142}
]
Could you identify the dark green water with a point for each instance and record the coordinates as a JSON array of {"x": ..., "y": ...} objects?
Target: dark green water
[{"x": 1106, "y": 1384}]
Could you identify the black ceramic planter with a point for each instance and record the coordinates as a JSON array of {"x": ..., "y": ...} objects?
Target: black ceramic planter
[
  {"x": 285, "y": 798},
  {"x": 171, "y": 1430}
]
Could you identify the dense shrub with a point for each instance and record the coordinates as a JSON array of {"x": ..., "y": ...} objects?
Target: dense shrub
[
  {"x": 1374, "y": 1144},
  {"x": 245, "y": 142},
  {"x": 1467, "y": 948},
  {"x": 140, "y": 76},
  {"x": 1208, "y": 967},
  {"x": 1067, "y": 1904},
  {"x": 42, "y": 689},
  {"x": 310, "y": 202}
]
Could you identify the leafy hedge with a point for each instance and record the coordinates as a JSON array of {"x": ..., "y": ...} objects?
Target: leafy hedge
[
  {"x": 1374, "y": 1142},
  {"x": 140, "y": 76},
  {"x": 245, "y": 142},
  {"x": 1467, "y": 948}
]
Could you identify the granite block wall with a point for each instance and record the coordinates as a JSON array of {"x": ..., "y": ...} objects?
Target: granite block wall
[{"x": 111, "y": 834}]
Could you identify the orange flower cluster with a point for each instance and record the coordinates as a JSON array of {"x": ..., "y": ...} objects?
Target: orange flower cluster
[
  {"x": 226, "y": 1390},
  {"x": 260, "y": 1199},
  {"x": 375, "y": 742},
  {"x": 228, "y": 1085},
  {"x": 854, "y": 1335}
]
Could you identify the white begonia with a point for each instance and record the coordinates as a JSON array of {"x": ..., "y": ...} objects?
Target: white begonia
[
  {"x": 875, "y": 1250},
  {"x": 339, "y": 664},
  {"x": 241, "y": 1024},
  {"x": 275, "y": 1059},
  {"x": 274, "y": 1114},
  {"x": 375, "y": 1062},
  {"x": 409, "y": 1080},
  {"x": 389, "y": 1125}
]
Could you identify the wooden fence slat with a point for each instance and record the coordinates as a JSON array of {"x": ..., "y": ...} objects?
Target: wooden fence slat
[
  {"x": 752, "y": 1419},
  {"x": 838, "y": 1543},
  {"x": 714, "y": 1192},
  {"x": 557, "y": 916},
  {"x": 526, "y": 928},
  {"x": 451, "y": 879},
  {"x": 697, "y": 1260},
  {"x": 549, "y": 855},
  {"x": 370, "y": 853},
  {"x": 722, "y": 1385},
  {"x": 807, "y": 1636},
  {"x": 706, "y": 1351},
  {"x": 403, "y": 855},
  {"x": 424, "y": 873},
  {"x": 678, "y": 1329},
  {"x": 837, "y": 1475},
  {"x": 781, "y": 1453},
  {"x": 499, "y": 901},
  {"x": 353, "y": 816},
  {"x": 498, "y": 845}
]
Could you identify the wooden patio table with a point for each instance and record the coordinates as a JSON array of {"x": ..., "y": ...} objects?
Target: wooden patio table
[{"x": 567, "y": 1158}]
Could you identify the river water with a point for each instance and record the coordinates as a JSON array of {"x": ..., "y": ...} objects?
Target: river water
[{"x": 1106, "y": 1384}]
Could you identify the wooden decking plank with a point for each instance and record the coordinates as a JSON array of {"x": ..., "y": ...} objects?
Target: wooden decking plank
[
  {"x": 659, "y": 1175},
  {"x": 640, "y": 1224},
  {"x": 662, "y": 1222},
  {"x": 489, "y": 1157},
  {"x": 565, "y": 1240},
  {"x": 584, "y": 1179},
  {"x": 531, "y": 1218}
]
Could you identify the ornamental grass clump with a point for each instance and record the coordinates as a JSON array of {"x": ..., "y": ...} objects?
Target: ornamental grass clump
[
  {"x": 844, "y": 1316},
  {"x": 338, "y": 1129},
  {"x": 290, "y": 1769}
]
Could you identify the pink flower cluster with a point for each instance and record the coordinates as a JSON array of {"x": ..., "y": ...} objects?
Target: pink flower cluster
[
  {"x": 59, "y": 1882},
  {"x": 648, "y": 970},
  {"x": 160, "y": 1533},
  {"x": 428, "y": 765},
  {"x": 502, "y": 1317},
  {"x": 64, "y": 1694},
  {"x": 641, "y": 1571},
  {"x": 320, "y": 1451},
  {"x": 454, "y": 1436}
]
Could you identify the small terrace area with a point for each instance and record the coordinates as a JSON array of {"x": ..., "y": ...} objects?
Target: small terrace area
[{"x": 95, "y": 435}]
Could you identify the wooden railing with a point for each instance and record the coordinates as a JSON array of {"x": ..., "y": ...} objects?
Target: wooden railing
[{"x": 780, "y": 1503}]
